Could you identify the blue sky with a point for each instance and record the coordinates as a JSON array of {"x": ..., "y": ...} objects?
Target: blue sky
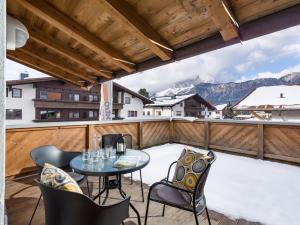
[{"x": 272, "y": 55}]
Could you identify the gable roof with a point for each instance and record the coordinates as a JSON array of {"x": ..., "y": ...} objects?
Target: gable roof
[
  {"x": 29, "y": 81},
  {"x": 168, "y": 101},
  {"x": 282, "y": 97},
  {"x": 135, "y": 94}
]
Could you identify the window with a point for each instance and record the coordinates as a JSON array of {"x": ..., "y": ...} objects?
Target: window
[
  {"x": 43, "y": 95},
  {"x": 127, "y": 100},
  {"x": 132, "y": 113},
  {"x": 158, "y": 113},
  {"x": 54, "y": 95},
  {"x": 71, "y": 97},
  {"x": 143, "y": 113},
  {"x": 148, "y": 113},
  {"x": 7, "y": 92},
  {"x": 17, "y": 93},
  {"x": 95, "y": 114},
  {"x": 178, "y": 113},
  {"x": 74, "y": 115},
  {"x": 49, "y": 114},
  {"x": 91, "y": 98},
  {"x": 91, "y": 114},
  {"x": 76, "y": 97},
  {"x": 95, "y": 98},
  {"x": 181, "y": 104},
  {"x": 13, "y": 114}
]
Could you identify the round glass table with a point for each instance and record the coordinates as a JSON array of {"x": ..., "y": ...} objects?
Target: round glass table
[{"x": 107, "y": 168}]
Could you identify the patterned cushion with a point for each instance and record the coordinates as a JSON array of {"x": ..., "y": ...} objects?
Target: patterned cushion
[
  {"x": 57, "y": 178},
  {"x": 189, "y": 168}
]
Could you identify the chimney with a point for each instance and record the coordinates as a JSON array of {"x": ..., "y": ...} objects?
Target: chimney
[{"x": 24, "y": 75}]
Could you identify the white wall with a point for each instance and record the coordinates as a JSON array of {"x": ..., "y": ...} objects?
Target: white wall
[
  {"x": 25, "y": 103},
  {"x": 136, "y": 104},
  {"x": 286, "y": 115},
  {"x": 165, "y": 111}
]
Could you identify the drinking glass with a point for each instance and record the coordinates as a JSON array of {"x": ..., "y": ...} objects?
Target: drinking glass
[
  {"x": 95, "y": 155},
  {"x": 85, "y": 156}
]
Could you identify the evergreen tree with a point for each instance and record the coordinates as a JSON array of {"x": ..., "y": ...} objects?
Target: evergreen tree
[
  {"x": 144, "y": 92},
  {"x": 228, "y": 112}
]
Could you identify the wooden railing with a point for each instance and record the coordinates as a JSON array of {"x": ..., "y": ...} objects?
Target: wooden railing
[{"x": 264, "y": 140}]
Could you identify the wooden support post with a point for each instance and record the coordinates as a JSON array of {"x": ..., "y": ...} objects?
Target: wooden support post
[
  {"x": 140, "y": 134},
  {"x": 260, "y": 153},
  {"x": 206, "y": 134},
  {"x": 89, "y": 136},
  {"x": 2, "y": 105},
  {"x": 171, "y": 132}
]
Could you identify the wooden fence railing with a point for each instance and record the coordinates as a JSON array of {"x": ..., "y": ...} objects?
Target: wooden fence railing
[{"x": 262, "y": 140}]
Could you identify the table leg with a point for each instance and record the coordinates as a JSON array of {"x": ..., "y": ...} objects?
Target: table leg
[{"x": 123, "y": 194}]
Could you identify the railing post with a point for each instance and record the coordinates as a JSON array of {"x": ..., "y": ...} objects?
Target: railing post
[
  {"x": 206, "y": 135},
  {"x": 171, "y": 131},
  {"x": 89, "y": 136},
  {"x": 260, "y": 149},
  {"x": 140, "y": 134}
]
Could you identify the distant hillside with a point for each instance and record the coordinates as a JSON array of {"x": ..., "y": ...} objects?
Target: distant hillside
[{"x": 224, "y": 92}]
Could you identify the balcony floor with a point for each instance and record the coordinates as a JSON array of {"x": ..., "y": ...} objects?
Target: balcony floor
[{"x": 21, "y": 197}]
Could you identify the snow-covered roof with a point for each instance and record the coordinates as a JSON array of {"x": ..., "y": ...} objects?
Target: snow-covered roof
[
  {"x": 283, "y": 97},
  {"x": 220, "y": 107},
  {"x": 170, "y": 101}
]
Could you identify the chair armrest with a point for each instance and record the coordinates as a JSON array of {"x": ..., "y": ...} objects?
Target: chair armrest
[
  {"x": 171, "y": 185},
  {"x": 170, "y": 167}
]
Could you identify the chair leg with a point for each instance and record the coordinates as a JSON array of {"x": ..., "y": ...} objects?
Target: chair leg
[
  {"x": 88, "y": 186},
  {"x": 131, "y": 178},
  {"x": 141, "y": 183},
  {"x": 37, "y": 204},
  {"x": 207, "y": 215},
  {"x": 147, "y": 209},
  {"x": 164, "y": 208},
  {"x": 196, "y": 218}
]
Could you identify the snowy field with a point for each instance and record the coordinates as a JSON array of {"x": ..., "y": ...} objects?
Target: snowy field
[{"x": 240, "y": 187}]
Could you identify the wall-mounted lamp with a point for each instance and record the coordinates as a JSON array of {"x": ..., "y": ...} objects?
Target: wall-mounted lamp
[{"x": 16, "y": 33}]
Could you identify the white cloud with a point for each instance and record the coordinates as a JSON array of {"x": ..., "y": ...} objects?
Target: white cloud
[{"x": 278, "y": 74}]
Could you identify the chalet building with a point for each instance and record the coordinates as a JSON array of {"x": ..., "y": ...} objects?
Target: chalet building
[
  {"x": 278, "y": 103},
  {"x": 192, "y": 105},
  {"x": 50, "y": 99}
]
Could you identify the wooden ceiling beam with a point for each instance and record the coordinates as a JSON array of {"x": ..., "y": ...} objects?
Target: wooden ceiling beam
[
  {"x": 125, "y": 14},
  {"x": 68, "y": 52},
  {"x": 39, "y": 65},
  {"x": 66, "y": 25},
  {"x": 52, "y": 60},
  {"x": 222, "y": 18}
]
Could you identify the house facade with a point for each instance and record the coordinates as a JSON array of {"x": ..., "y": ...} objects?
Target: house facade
[
  {"x": 50, "y": 99},
  {"x": 192, "y": 105},
  {"x": 278, "y": 103}
]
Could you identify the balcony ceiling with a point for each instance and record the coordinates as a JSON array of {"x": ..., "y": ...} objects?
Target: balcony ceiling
[{"x": 89, "y": 41}]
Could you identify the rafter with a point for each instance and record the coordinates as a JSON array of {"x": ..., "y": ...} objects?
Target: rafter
[
  {"x": 125, "y": 14},
  {"x": 54, "y": 61},
  {"x": 37, "y": 64},
  {"x": 222, "y": 18},
  {"x": 68, "y": 52},
  {"x": 66, "y": 25}
]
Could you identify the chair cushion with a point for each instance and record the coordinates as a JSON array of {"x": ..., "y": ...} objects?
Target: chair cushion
[
  {"x": 189, "y": 168},
  {"x": 57, "y": 178}
]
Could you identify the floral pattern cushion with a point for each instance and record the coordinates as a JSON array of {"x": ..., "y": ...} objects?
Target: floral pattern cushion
[
  {"x": 57, "y": 178},
  {"x": 189, "y": 168}
]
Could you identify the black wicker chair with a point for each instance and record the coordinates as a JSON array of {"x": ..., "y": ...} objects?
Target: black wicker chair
[
  {"x": 110, "y": 140},
  {"x": 166, "y": 193},
  {"x": 69, "y": 208},
  {"x": 61, "y": 159}
]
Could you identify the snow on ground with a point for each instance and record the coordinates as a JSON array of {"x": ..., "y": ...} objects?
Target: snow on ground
[{"x": 240, "y": 187}]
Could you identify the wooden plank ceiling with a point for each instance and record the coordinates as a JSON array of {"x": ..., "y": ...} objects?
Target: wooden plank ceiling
[{"x": 89, "y": 41}]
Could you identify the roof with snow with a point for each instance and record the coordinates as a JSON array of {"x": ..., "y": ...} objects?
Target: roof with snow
[
  {"x": 169, "y": 101},
  {"x": 283, "y": 97},
  {"x": 220, "y": 107}
]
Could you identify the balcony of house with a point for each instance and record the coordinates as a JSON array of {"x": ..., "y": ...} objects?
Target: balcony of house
[
  {"x": 65, "y": 104},
  {"x": 245, "y": 151}
]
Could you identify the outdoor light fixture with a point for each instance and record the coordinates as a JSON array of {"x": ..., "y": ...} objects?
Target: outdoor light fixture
[{"x": 16, "y": 33}]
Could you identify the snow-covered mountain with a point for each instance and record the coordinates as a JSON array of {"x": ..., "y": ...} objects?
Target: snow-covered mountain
[{"x": 220, "y": 93}]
